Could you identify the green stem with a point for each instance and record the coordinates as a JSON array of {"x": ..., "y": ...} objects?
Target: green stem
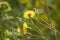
[
  {"x": 47, "y": 9},
  {"x": 38, "y": 30}
]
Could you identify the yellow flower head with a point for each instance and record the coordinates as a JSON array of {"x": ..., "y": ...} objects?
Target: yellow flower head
[
  {"x": 28, "y": 14},
  {"x": 7, "y": 38},
  {"x": 18, "y": 29},
  {"x": 25, "y": 28}
]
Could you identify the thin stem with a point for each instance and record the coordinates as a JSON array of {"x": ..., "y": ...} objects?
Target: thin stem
[
  {"x": 45, "y": 21},
  {"x": 39, "y": 30},
  {"x": 47, "y": 9}
]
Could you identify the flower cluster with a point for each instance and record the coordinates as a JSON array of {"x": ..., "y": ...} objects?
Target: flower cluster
[{"x": 26, "y": 15}]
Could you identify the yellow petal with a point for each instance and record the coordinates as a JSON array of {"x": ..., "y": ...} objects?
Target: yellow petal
[
  {"x": 25, "y": 28},
  {"x": 18, "y": 29}
]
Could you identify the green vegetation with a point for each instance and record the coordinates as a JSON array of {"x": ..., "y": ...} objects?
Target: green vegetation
[{"x": 29, "y": 19}]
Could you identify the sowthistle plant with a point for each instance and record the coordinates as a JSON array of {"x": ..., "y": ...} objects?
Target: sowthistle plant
[{"x": 23, "y": 32}]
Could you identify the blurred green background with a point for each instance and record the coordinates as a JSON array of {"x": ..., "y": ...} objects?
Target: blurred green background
[{"x": 44, "y": 26}]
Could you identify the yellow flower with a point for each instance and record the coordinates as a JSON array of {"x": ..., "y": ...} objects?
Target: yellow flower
[
  {"x": 18, "y": 29},
  {"x": 28, "y": 14},
  {"x": 25, "y": 28},
  {"x": 7, "y": 38}
]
